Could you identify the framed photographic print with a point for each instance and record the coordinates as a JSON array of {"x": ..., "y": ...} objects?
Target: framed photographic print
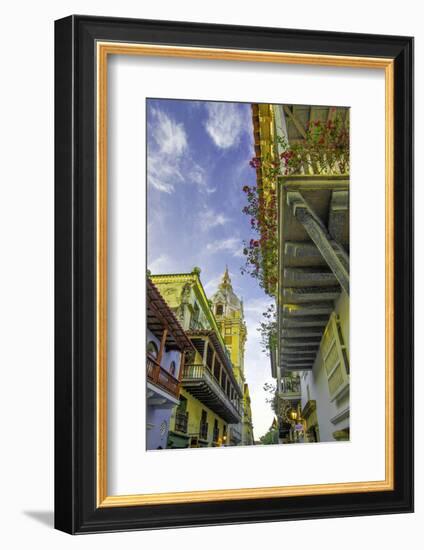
[{"x": 234, "y": 274}]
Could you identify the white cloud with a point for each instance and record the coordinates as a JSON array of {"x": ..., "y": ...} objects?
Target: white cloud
[
  {"x": 168, "y": 160},
  {"x": 212, "y": 285},
  {"x": 232, "y": 244},
  {"x": 161, "y": 264},
  {"x": 170, "y": 136},
  {"x": 224, "y": 124},
  {"x": 161, "y": 172},
  {"x": 210, "y": 219}
]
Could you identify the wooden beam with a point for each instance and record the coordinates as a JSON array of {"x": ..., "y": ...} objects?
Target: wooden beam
[
  {"x": 318, "y": 183},
  {"x": 300, "y": 344},
  {"x": 309, "y": 321},
  {"x": 309, "y": 276},
  {"x": 182, "y": 362},
  {"x": 294, "y": 119},
  {"x": 298, "y": 310},
  {"x": 320, "y": 236},
  {"x": 311, "y": 294},
  {"x": 293, "y": 333},
  {"x": 338, "y": 217},
  {"x": 290, "y": 353},
  {"x": 301, "y": 366},
  {"x": 302, "y": 359}
]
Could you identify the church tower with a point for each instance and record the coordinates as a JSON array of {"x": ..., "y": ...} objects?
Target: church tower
[{"x": 228, "y": 310}]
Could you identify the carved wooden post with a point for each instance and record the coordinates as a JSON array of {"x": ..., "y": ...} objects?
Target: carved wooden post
[
  {"x": 182, "y": 363},
  {"x": 162, "y": 345}
]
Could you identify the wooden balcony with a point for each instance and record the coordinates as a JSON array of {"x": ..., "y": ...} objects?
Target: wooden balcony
[
  {"x": 235, "y": 434},
  {"x": 201, "y": 383},
  {"x": 161, "y": 377},
  {"x": 290, "y": 388}
]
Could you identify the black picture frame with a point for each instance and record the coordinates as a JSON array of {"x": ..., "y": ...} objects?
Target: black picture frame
[{"x": 75, "y": 275}]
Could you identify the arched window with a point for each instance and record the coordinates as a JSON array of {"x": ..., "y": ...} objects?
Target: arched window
[
  {"x": 172, "y": 368},
  {"x": 219, "y": 309},
  {"x": 152, "y": 349}
]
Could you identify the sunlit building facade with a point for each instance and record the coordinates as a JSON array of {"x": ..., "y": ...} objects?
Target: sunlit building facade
[
  {"x": 310, "y": 360},
  {"x": 210, "y": 397}
]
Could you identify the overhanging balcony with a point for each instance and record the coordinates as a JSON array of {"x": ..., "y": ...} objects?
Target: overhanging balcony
[
  {"x": 161, "y": 377},
  {"x": 290, "y": 389},
  {"x": 313, "y": 263},
  {"x": 200, "y": 382},
  {"x": 235, "y": 434}
]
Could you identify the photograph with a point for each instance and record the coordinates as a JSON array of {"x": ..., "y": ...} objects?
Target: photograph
[
  {"x": 216, "y": 188},
  {"x": 247, "y": 284}
]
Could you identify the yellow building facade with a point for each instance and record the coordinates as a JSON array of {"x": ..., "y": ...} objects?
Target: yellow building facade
[
  {"x": 228, "y": 310},
  {"x": 247, "y": 430},
  {"x": 211, "y": 397}
]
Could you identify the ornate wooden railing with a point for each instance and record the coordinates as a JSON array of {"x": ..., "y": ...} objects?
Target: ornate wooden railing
[
  {"x": 181, "y": 420},
  {"x": 200, "y": 372},
  {"x": 290, "y": 385},
  {"x": 161, "y": 377}
]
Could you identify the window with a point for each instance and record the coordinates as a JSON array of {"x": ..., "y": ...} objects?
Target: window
[
  {"x": 152, "y": 349},
  {"x": 219, "y": 309},
  {"x": 172, "y": 368}
]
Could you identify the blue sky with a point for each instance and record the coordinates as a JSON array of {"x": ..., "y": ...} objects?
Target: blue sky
[{"x": 198, "y": 162}]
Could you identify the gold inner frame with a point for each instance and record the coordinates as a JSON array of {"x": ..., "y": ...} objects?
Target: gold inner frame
[{"x": 104, "y": 49}]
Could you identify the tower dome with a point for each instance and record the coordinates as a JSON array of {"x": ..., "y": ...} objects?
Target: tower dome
[{"x": 225, "y": 301}]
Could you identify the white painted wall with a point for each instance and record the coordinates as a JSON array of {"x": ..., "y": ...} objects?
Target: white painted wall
[
  {"x": 317, "y": 383},
  {"x": 26, "y": 229},
  {"x": 168, "y": 356}
]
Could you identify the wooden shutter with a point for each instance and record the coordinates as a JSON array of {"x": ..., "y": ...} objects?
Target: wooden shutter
[{"x": 335, "y": 358}]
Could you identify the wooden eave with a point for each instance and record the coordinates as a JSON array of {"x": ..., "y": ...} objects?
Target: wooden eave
[
  {"x": 160, "y": 316},
  {"x": 308, "y": 283}
]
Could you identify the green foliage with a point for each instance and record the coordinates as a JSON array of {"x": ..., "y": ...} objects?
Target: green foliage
[
  {"x": 268, "y": 329},
  {"x": 324, "y": 151},
  {"x": 270, "y": 438}
]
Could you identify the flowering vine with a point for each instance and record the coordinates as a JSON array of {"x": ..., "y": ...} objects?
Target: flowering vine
[{"x": 323, "y": 151}]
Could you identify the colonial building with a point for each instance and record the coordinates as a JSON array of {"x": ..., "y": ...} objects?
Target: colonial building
[
  {"x": 313, "y": 283},
  {"x": 247, "y": 430},
  {"x": 228, "y": 309},
  {"x": 166, "y": 345},
  {"x": 210, "y": 398}
]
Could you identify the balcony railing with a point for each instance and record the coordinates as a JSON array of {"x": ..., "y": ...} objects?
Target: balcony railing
[
  {"x": 161, "y": 377},
  {"x": 201, "y": 383},
  {"x": 203, "y": 432},
  {"x": 290, "y": 388},
  {"x": 181, "y": 420}
]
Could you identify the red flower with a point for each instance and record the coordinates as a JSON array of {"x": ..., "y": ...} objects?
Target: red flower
[{"x": 255, "y": 162}]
